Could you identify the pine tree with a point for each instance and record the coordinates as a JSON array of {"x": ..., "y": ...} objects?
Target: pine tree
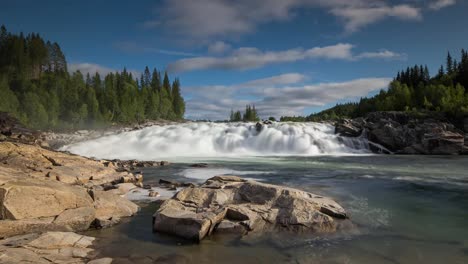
[
  {"x": 178, "y": 103},
  {"x": 449, "y": 63}
]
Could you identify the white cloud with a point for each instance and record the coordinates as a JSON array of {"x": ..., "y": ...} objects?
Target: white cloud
[
  {"x": 283, "y": 79},
  {"x": 218, "y": 47},
  {"x": 249, "y": 58},
  {"x": 439, "y": 4},
  {"x": 275, "y": 96},
  {"x": 133, "y": 47},
  {"x": 358, "y": 17},
  {"x": 92, "y": 68},
  {"x": 207, "y": 19},
  {"x": 383, "y": 54}
]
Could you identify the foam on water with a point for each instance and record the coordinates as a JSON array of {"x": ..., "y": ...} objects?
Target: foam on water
[
  {"x": 204, "y": 174},
  {"x": 221, "y": 139}
]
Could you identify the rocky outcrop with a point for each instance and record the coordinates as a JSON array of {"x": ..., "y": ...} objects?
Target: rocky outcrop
[
  {"x": 404, "y": 133},
  {"x": 49, "y": 247},
  {"x": 43, "y": 190},
  {"x": 348, "y": 128},
  {"x": 232, "y": 204}
]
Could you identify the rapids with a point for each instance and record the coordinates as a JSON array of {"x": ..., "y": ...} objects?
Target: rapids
[{"x": 221, "y": 139}]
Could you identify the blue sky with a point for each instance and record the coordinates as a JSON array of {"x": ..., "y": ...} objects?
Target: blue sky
[{"x": 289, "y": 57}]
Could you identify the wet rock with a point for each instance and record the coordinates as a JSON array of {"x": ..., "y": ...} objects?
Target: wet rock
[
  {"x": 230, "y": 227},
  {"x": 173, "y": 185},
  {"x": 259, "y": 127},
  {"x": 348, "y": 128},
  {"x": 443, "y": 143},
  {"x": 194, "y": 213},
  {"x": 153, "y": 194},
  {"x": 199, "y": 165},
  {"x": 172, "y": 259},
  {"x": 102, "y": 222},
  {"x": 164, "y": 163}
]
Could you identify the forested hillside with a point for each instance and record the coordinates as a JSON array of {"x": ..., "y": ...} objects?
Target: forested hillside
[
  {"x": 36, "y": 87},
  {"x": 412, "y": 90}
]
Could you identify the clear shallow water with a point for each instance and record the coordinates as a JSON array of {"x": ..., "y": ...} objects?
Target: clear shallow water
[{"x": 407, "y": 209}]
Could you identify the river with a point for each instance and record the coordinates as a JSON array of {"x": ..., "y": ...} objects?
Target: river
[{"x": 406, "y": 209}]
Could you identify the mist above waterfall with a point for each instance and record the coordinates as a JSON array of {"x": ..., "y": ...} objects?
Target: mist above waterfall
[{"x": 221, "y": 139}]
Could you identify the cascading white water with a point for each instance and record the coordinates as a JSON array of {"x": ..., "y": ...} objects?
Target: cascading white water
[{"x": 221, "y": 139}]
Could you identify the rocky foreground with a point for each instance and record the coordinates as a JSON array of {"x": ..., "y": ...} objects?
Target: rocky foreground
[
  {"x": 230, "y": 204},
  {"x": 403, "y": 133},
  {"x": 46, "y": 195}
]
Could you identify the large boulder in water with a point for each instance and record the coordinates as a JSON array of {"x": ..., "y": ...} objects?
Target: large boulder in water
[{"x": 250, "y": 206}]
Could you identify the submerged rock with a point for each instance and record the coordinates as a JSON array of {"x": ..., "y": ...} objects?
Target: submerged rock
[{"x": 230, "y": 203}]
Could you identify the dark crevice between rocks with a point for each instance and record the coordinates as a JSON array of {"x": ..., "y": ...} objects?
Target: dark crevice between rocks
[{"x": 52, "y": 161}]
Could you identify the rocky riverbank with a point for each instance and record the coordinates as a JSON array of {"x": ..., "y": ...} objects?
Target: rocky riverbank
[{"x": 403, "y": 133}]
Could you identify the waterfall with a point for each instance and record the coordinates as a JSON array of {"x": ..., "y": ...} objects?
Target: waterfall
[{"x": 221, "y": 139}]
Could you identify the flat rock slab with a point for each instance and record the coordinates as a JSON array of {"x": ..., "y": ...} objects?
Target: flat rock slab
[
  {"x": 232, "y": 204},
  {"x": 49, "y": 247}
]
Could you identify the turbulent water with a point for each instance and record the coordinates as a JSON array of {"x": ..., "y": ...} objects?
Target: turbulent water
[
  {"x": 222, "y": 139},
  {"x": 406, "y": 209}
]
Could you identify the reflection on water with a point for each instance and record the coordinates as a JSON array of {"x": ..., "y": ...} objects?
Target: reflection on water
[{"x": 407, "y": 209}]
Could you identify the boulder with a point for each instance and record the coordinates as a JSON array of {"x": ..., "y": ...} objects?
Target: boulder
[
  {"x": 465, "y": 124},
  {"x": 109, "y": 205},
  {"x": 125, "y": 187},
  {"x": 76, "y": 219},
  {"x": 23, "y": 199},
  {"x": 230, "y": 203},
  {"x": 443, "y": 143},
  {"x": 348, "y": 128}
]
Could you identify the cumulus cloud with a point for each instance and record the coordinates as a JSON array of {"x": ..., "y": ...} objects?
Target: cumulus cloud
[
  {"x": 250, "y": 58},
  {"x": 358, "y": 17},
  {"x": 439, "y": 4},
  {"x": 275, "y": 96},
  {"x": 205, "y": 19},
  {"x": 92, "y": 68}
]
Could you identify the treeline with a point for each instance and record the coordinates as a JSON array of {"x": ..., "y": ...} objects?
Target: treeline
[
  {"x": 412, "y": 90},
  {"x": 36, "y": 87},
  {"x": 250, "y": 115}
]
